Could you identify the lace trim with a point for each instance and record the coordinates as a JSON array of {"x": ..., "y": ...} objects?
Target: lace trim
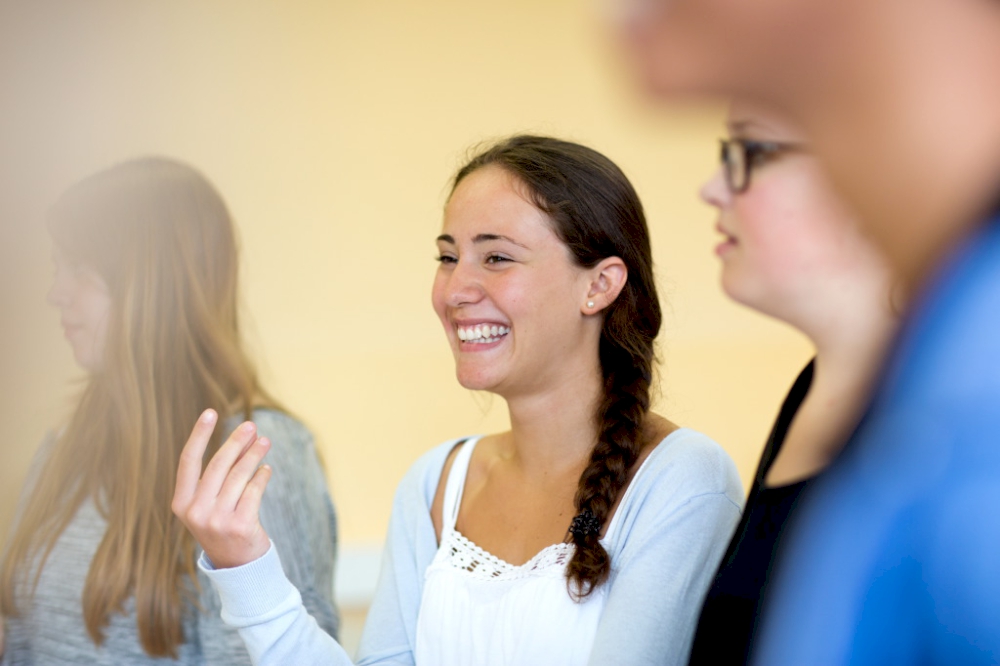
[{"x": 467, "y": 556}]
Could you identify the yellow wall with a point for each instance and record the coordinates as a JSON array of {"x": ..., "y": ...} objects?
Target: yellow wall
[{"x": 331, "y": 128}]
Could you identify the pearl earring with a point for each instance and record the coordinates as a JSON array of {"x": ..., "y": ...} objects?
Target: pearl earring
[{"x": 590, "y": 304}]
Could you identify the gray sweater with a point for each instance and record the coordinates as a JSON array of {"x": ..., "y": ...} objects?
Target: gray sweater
[{"x": 296, "y": 512}]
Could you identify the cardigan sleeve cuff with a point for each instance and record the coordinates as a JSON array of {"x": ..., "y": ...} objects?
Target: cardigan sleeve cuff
[{"x": 254, "y": 592}]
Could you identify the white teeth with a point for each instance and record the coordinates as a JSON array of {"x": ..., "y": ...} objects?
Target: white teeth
[{"x": 482, "y": 333}]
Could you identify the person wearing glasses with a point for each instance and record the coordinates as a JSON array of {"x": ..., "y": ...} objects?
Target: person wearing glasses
[
  {"x": 791, "y": 250},
  {"x": 891, "y": 557}
]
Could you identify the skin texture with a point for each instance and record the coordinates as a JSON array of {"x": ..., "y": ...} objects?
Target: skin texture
[
  {"x": 221, "y": 507},
  {"x": 898, "y": 98},
  {"x": 788, "y": 232},
  {"x": 720, "y": 46},
  {"x": 793, "y": 250},
  {"x": 789, "y": 238},
  {"x": 525, "y": 281},
  {"x": 81, "y": 295}
]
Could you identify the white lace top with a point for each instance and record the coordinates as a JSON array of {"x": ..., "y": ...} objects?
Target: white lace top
[{"x": 479, "y": 609}]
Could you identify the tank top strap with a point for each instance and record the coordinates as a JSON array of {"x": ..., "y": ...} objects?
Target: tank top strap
[{"x": 456, "y": 484}]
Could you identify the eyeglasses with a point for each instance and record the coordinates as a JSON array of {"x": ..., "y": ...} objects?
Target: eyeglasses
[{"x": 740, "y": 157}]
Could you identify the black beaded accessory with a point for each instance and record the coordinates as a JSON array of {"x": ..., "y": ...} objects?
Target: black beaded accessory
[{"x": 584, "y": 524}]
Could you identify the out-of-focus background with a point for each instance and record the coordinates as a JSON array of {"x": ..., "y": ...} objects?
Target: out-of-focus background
[{"x": 331, "y": 129}]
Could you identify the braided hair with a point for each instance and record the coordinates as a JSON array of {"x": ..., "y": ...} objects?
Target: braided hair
[{"x": 596, "y": 212}]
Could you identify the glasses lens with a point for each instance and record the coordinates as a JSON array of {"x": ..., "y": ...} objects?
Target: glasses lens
[{"x": 734, "y": 159}]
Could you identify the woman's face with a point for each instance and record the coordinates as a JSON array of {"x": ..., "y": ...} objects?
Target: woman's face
[
  {"x": 507, "y": 291},
  {"x": 787, "y": 232},
  {"x": 84, "y": 303},
  {"x": 766, "y": 47}
]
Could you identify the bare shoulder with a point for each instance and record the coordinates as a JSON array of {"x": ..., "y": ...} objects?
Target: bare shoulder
[{"x": 485, "y": 443}]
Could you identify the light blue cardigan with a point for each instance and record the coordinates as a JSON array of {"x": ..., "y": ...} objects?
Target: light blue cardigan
[{"x": 673, "y": 531}]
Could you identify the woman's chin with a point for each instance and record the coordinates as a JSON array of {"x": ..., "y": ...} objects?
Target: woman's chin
[
  {"x": 86, "y": 361},
  {"x": 754, "y": 293},
  {"x": 476, "y": 384},
  {"x": 476, "y": 380}
]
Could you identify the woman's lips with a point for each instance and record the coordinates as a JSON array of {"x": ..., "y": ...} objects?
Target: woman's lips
[{"x": 727, "y": 244}]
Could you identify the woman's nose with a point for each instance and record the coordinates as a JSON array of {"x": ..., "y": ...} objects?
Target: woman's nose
[
  {"x": 715, "y": 192},
  {"x": 59, "y": 293},
  {"x": 464, "y": 285}
]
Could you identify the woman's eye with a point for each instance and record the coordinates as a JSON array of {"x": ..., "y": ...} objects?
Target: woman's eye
[
  {"x": 445, "y": 259},
  {"x": 759, "y": 158},
  {"x": 72, "y": 269},
  {"x": 496, "y": 258}
]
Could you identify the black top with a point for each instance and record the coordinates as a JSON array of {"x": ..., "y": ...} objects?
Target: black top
[{"x": 726, "y": 624}]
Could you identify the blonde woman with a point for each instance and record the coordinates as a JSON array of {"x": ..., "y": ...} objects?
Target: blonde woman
[{"x": 97, "y": 570}]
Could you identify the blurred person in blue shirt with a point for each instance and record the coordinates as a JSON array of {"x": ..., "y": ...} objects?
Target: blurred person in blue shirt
[{"x": 891, "y": 555}]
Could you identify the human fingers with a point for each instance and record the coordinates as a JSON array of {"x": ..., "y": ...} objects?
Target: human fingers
[
  {"x": 234, "y": 538},
  {"x": 248, "y": 512},
  {"x": 222, "y": 462},
  {"x": 241, "y": 474},
  {"x": 189, "y": 466}
]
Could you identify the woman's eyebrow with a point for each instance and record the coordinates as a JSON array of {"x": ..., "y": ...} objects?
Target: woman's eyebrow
[
  {"x": 751, "y": 128},
  {"x": 738, "y": 125},
  {"x": 483, "y": 238}
]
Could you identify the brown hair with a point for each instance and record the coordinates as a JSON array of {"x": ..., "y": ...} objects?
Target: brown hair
[
  {"x": 596, "y": 212},
  {"x": 161, "y": 237}
]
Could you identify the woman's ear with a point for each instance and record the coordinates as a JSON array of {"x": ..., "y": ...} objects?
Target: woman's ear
[{"x": 607, "y": 279}]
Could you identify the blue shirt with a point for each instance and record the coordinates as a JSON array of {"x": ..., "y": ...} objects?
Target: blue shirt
[{"x": 894, "y": 555}]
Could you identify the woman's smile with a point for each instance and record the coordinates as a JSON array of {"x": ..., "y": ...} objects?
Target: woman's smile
[
  {"x": 503, "y": 271},
  {"x": 480, "y": 335},
  {"x": 728, "y": 243}
]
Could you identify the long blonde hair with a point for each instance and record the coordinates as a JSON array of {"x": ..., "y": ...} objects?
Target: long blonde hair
[{"x": 161, "y": 237}]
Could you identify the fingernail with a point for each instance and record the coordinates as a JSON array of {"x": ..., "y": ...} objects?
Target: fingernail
[
  {"x": 247, "y": 427},
  {"x": 265, "y": 442},
  {"x": 208, "y": 416}
]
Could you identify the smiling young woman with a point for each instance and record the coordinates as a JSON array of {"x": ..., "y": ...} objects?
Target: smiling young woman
[{"x": 587, "y": 533}]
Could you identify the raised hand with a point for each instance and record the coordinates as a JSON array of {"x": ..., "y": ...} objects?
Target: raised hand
[{"x": 221, "y": 507}]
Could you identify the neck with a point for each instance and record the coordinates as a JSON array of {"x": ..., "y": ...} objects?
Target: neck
[
  {"x": 850, "y": 336},
  {"x": 851, "y": 342},
  {"x": 555, "y": 430}
]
